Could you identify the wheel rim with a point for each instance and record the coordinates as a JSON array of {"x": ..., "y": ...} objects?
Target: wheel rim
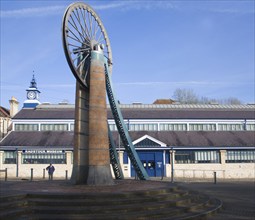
[{"x": 82, "y": 30}]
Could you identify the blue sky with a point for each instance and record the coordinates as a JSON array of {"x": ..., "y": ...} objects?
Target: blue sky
[{"x": 157, "y": 47}]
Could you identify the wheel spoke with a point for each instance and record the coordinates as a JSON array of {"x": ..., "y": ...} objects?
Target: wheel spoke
[
  {"x": 99, "y": 38},
  {"x": 95, "y": 31},
  {"x": 75, "y": 39},
  {"x": 101, "y": 41},
  {"x": 73, "y": 45},
  {"x": 76, "y": 28},
  {"x": 74, "y": 32},
  {"x": 82, "y": 61},
  {"x": 78, "y": 56},
  {"x": 93, "y": 27},
  {"x": 86, "y": 74},
  {"x": 79, "y": 20},
  {"x": 81, "y": 50},
  {"x": 90, "y": 24},
  {"x": 83, "y": 43},
  {"x": 80, "y": 26},
  {"x": 86, "y": 29}
]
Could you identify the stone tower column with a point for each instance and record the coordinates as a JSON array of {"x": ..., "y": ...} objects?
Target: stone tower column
[
  {"x": 99, "y": 158},
  {"x": 91, "y": 160},
  {"x": 81, "y": 136}
]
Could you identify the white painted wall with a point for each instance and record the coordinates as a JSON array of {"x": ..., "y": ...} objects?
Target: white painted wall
[{"x": 197, "y": 171}]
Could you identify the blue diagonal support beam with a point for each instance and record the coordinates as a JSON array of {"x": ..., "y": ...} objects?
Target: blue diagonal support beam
[
  {"x": 122, "y": 129},
  {"x": 114, "y": 158}
]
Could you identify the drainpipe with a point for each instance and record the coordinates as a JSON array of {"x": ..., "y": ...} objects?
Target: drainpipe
[
  {"x": 172, "y": 165},
  {"x": 17, "y": 162},
  {"x": 245, "y": 125},
  {"x": 164, "y": 164}
]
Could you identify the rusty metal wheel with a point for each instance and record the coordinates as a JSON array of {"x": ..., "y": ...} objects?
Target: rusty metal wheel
[{"x": 82, "y": 31}]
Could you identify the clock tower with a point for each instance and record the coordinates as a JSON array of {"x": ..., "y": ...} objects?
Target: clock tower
[{"x": 32, "y": 95}]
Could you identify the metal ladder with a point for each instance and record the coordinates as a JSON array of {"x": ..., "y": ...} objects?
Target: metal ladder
[{"x": 123, "y": 131}]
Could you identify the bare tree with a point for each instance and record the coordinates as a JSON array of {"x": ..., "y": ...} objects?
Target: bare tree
[
  {"x": 230, "y": 101},
  {"x": 188, "y": 96},
  {"x": 185, "y": 96}
]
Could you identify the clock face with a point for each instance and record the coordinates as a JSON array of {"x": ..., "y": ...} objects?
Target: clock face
[{"x": 31, "y": 95}]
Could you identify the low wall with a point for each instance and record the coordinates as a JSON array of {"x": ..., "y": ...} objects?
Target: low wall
[
  {"x": 206, "y": 171},
  {"x": 186, "y": 171},
  {"x": 39, "y": 171}
]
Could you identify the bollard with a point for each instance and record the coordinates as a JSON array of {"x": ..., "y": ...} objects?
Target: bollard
[
  {"x": 215, "y": 179},
  {"x": 32, "y": 174},
  {"x": 5, "y": 177},
  {"x": 66, "y": 175},
  {"x": 43, "y": 173}
]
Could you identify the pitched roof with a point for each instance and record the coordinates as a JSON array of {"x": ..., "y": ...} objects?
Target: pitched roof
[
  {"x": 65, "y": 139},
  {"x": 4, "y": 112},
  {"x": 177, "y": 111},
  {"x": 57, "y": 113},
  {"x": 197, "y": 138},
  {"x": 39, "y": 138},
  {"x": 148, "y": 139},
  {"x": 147, "y": 112}
]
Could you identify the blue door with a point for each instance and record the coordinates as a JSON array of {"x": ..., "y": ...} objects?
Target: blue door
[{"x": 152, "y": 162}]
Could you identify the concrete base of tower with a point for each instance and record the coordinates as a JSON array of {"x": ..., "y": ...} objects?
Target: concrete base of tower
[
  {"x": 100, "y": 175},
  {"x": 79, "y": 174}
]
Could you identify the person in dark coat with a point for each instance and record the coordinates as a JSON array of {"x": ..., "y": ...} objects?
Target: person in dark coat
[{"x": 50, "y": 170}]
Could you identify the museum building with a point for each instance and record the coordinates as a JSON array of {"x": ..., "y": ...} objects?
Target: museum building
[{"x": 187, "y": 141}]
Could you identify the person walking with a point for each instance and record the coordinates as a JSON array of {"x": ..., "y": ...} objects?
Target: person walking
[{"x": 50, "y": 170}]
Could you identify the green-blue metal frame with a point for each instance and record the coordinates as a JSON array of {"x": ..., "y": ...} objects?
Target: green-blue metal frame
[{"x": 122, "y": 129}]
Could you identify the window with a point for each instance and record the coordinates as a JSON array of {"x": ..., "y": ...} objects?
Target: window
[
  {"x": 250, "y": 127},
  {"x": 125, "y": 158},
  {"x": 197, "y": 156},
  {"x": 202, "y": 127},
  {"x": 26, "y": 127},
  {"x": 230, "y": 127},
  {"x": 240, "y": 156},
  {"x": 9, "y": 157},
  {"x": 71, "y": 127},
  {"x": 143, "y": 127},
  {"x": 54, "y": 127},
  {"x": 43, "y": 158},
  {"x": 173, "y": 127},
  {"x": 113, "y": 127},
  {"x": 167, "y": 158}
]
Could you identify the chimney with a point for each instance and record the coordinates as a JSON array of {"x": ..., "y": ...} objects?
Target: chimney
[{"x": 14, "y": 106}]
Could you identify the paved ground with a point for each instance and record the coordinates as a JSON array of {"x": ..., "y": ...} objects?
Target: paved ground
[
  {"x": 61, "y": 186},
  {"x": 238, "y": 197}
]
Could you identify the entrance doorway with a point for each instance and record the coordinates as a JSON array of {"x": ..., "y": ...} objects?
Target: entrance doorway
[{"x": 152, "y": 162}]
